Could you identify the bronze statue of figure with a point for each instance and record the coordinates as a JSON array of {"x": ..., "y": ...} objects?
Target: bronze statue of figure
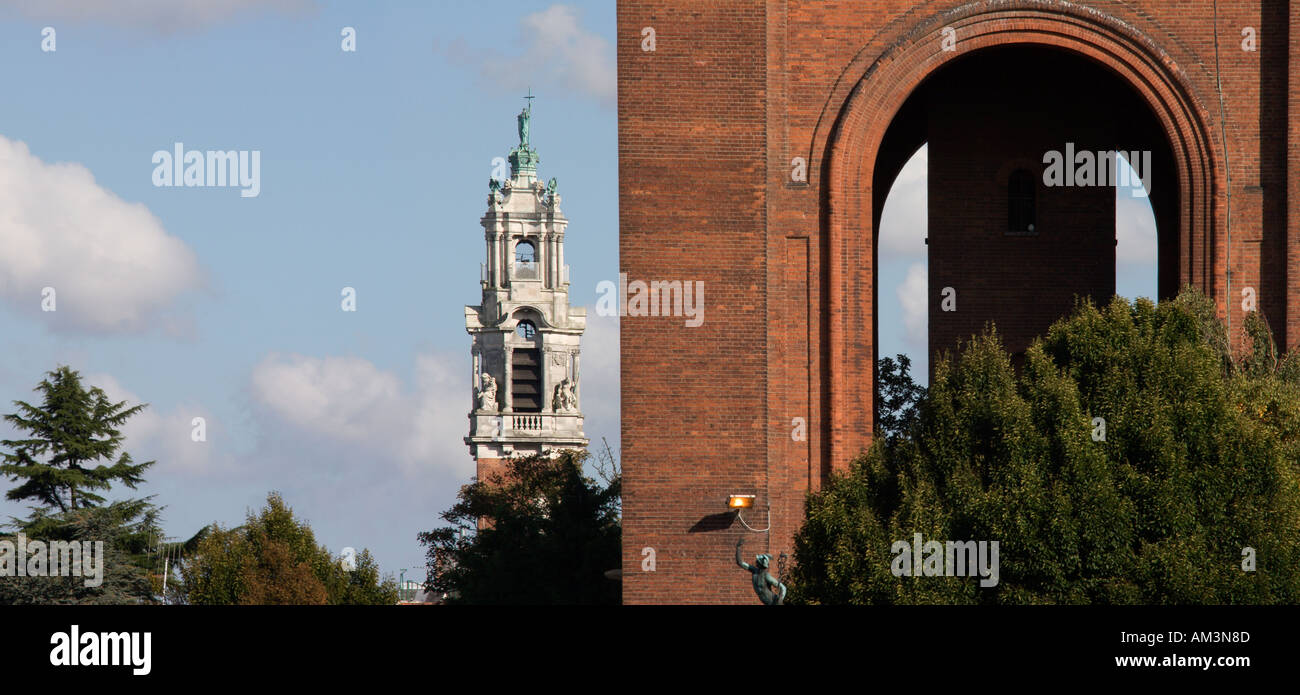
[
  {"x": 770, "y": 591},
  {"x": 525, "y": 117}
]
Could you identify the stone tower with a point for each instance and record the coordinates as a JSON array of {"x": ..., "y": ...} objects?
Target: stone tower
[
  {"x": 758, "y": 141},
  {"x": 525, "y": 335}
]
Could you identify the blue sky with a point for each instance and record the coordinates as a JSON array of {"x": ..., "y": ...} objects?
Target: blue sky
[{"x": 374, "y": 169}]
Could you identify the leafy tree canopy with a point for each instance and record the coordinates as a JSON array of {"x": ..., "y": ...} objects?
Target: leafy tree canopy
[
  {"x": 1199, "y": 463},
  {"x": 548, "y": 536},
  {"x": 274, "y": 559}
]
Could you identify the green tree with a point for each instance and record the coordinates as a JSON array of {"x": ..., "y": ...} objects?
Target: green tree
[
  {"x": 899, "y": 396},
  {"x": 72, "y": 430},
  {"x": 1198, "y": 463},
  {"x": 361, "y": 586},
  {"x": 548, "y": 536},
  {"x": 274, "y": 559},
  {"x": 73, "y": 449},
  {"x": 124, "y": 529}
]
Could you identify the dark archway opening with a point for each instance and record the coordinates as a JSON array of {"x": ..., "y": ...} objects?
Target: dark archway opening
[{"x": 1016, "y": 246}]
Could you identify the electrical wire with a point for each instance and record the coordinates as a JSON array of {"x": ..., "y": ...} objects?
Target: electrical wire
[{"x": 756, "y": 530}]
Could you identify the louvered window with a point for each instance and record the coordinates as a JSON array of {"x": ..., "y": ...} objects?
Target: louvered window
[{"x": 526, "y": 373}]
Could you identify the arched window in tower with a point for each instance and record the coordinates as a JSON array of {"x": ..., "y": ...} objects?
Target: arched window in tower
[
  {"x": 1021, "y": 203},
  {"x": 525, "y": 260},
  {"x": 526, "y": 364}
]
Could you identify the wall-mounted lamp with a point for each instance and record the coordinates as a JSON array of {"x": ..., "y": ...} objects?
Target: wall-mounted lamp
[{"x": 738, "y": 502}]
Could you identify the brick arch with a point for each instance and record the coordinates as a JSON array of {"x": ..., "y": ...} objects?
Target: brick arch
[{"x": 865, "y": 105}]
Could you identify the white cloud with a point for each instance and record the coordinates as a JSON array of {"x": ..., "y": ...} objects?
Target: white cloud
[
  {"x": 442, "y": 405},
  {"x": 601, "y": 397},
  {"x": 1135, "y": 229},
  {"x": 347, "y": 397},
  {"x": 556, "y": 51},
  {"x": 1136, "y": 251},
  {"x": 349, "y": 405},
  {"x": 159, "y": 15},
  {"x": 350, "y": 402},
  {"x": 162, "y": 436},
  {"x": 111, "y": 264},
  {"x": 905, "y": 219},
  {"x": 913, "y": 298}
]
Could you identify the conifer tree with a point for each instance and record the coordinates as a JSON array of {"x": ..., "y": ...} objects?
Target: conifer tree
[
  {"x": 73, "y": 446},
  {"x": 72, "y": 450}
]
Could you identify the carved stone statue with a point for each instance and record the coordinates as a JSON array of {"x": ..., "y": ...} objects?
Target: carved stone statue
[
  {"x": 565, "y": 400},
  {"x": 770, "y": 591},
  {"x": 487, "y": 392}
]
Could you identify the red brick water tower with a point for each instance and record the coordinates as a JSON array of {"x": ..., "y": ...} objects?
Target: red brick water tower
[{"x": 757, "y": 142}]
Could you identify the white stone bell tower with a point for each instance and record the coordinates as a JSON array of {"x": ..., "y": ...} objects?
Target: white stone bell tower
[{"x": 526, "y": 385}]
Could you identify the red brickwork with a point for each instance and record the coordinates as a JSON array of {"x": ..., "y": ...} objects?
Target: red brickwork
[
  {"x": 982, "y": 125},
  {"x": 709, "y": 123},
  {"x": 486, "y": 468}
]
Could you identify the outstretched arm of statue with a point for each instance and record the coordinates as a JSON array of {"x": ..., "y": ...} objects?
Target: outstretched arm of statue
[{"x": 739, "y": 561}]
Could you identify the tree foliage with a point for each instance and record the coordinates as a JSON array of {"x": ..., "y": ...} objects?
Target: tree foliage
[
  {"x": 899, "y": 396},
  {"x": 549, "y": 536},
  {"x": 1199, "y": 462},
  {"x": 124, "y": 528},
  {"x": 274, "y": 559},
  {"x": 72, "y": 430},
  {"x": 73, "y": 449}
]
